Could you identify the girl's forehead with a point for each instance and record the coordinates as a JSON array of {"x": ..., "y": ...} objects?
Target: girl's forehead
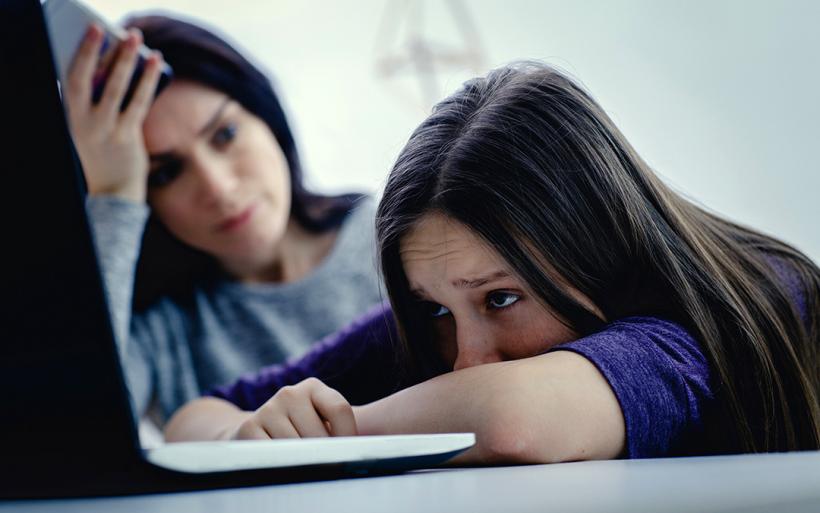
[
  {"x": 435, "y": 232},
  {"x": 438, "y": 239}
]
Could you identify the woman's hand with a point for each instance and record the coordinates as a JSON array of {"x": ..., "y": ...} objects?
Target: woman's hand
[
  {"x": 307, "y": 409},
  {"x": 110, "y": 142}
]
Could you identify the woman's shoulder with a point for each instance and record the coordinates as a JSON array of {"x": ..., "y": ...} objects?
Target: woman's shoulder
[
  {"x": 361, "y": 214},
  {"x": 356, "y": 240}
]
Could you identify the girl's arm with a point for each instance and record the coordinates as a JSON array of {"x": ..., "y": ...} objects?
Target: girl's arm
[
  {"x": 307, "y": 409},
  {"x": 549, "y": 408},
  {"x": 207, "y": 418},
  {"x": 646, "y": 395}
]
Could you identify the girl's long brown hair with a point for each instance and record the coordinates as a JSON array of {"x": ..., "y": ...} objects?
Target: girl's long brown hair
[{"x": 529, "y": 161}]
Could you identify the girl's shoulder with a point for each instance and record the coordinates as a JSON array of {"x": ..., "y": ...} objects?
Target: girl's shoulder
[
  {"x": 661, "y": 377},
  {"x": 645, "y": 334},
  {"x": 789, "y": 277}
]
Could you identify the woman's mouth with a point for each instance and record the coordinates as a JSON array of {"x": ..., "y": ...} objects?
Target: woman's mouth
[{"x": 233, "y": 222}]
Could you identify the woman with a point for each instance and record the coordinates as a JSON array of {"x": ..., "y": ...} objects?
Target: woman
[
  {"x": 239, "y": 263},
  {"x": 583, "y": 309}
]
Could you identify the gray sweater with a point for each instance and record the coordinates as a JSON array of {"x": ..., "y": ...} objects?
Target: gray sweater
[{"x": 178, "y": 349}]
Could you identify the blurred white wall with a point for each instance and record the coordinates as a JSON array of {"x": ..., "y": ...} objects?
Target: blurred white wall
[{"x": 721, "y": 97}]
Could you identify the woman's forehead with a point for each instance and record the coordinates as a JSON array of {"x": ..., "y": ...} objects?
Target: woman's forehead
[{"x": 179, "y": 114}]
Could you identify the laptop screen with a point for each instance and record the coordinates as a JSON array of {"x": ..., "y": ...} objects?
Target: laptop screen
[{"x": 65, "y": 408}]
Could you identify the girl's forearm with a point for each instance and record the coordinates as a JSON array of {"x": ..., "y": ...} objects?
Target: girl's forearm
[
  {"x": 207, "y": 418},
  {"x": 549, "y": 408}
]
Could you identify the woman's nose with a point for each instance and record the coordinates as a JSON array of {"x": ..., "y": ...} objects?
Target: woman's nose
[
  {"x": 475, "y": 346},
  {"x": 216, "y": 180}
]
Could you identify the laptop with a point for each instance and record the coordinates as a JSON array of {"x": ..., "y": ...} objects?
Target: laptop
[{"x": 67, "y": 424}]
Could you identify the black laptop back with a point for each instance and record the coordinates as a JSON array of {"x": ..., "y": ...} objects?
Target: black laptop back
[{"x": 65, "y": 416}]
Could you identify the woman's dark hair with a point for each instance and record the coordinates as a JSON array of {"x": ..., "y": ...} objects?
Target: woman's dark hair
[
  {"x": 526, "y": 159},
  {"x": 166, "y": 265}
]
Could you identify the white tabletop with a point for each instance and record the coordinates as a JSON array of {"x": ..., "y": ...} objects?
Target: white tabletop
[{"x": 751, "y": 483}]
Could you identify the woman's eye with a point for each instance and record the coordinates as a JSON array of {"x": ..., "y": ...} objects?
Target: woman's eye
[
  {"x": 225, "y": 135},
  {"x": 437, "y": 310},
  {"x": 164, "y": 174},
  {"x": 498, "y": 300}
]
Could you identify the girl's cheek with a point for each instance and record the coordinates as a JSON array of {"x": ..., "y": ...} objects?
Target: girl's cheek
[
  {"x": 446, "y": 341},
  {"x": 531, "y": 332}
]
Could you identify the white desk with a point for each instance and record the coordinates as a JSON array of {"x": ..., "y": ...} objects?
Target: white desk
[{"x": 760, "y": 483}]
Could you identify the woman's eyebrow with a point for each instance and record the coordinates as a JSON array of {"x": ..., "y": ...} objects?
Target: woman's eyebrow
[
  {"x": 167, "y": 156},
  {"x": 215, "y": 118}
]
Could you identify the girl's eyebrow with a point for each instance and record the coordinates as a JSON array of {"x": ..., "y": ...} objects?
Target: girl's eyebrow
[
  {"x": 464, "y": 283},
  {"x": 481, "y": 280},
  {"x": 207, "y": 127},
  {"x": 419, "y": 292}
]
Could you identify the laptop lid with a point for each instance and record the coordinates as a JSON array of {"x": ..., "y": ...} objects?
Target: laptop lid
[{"x": 66, "y": 414}]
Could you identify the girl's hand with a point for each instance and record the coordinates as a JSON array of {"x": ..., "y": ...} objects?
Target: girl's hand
[
  {"x": 110, "y": 142},
  {"x": 307, "y": 409}
]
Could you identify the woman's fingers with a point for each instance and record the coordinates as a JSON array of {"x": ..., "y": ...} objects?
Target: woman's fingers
[
  {"x": 120, "y": 76},
  {"x": 81, "y": 73},
  {"x": 144, "y": 93},
  {"x": 111, "y": 147}
]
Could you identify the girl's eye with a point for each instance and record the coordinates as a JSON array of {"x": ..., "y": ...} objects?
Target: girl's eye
[
  {"x": 437, "y": 310},
  {"x": 498, "y": 300},
  {"x": 164, "y": 174},
  {"x": 225, "y": 135}
]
